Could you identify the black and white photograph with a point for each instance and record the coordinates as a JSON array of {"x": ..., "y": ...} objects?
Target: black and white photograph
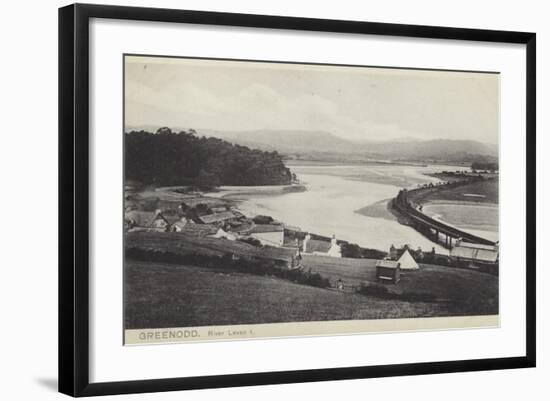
[
  {"x": 269, "y": 199},
  {"x": 275, "y": 200}
]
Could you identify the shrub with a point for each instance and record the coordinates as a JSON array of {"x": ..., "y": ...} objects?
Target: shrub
[
  {"x": 251, "y": 241},
  {"x": 261, "y": 219},
  {"x": 441, "y": 260},
  {"x": 351, "y": 250}
]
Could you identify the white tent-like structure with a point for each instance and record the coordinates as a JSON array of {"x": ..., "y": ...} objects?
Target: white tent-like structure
[
  {"x": 222, "y": 234},
  {"x": 406, "y": 261}
]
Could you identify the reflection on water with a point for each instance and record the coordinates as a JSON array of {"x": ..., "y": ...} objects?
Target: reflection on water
[{"x": 336, "y": 192}]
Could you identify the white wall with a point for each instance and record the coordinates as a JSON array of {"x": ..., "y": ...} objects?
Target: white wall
[{"x": 28, "y": 162}]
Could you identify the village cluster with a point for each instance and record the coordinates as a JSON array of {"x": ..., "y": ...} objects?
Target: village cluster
[
  {"x": 227, "y": 222},
  {"x": 223, "y": 221}
]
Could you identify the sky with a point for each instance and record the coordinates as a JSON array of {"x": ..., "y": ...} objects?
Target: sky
[{"x": 355, "y": 103}]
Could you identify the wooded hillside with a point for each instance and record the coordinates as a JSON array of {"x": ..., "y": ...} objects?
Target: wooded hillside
[{"x": 184, "y": 158}]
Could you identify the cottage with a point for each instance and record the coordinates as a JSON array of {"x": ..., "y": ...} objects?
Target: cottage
[
  {"x": 322, "y": 248},
  {"x": 138, "y": 220},
  {"x": 475, "y": 254},
  {"x": 334, "y": 251}
]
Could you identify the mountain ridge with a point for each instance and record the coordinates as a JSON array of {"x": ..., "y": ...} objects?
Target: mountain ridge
[{"x": 296, "y": 142}]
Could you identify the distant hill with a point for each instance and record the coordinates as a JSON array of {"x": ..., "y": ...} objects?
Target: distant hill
[
  {"x": 433, "y": 149},
  {"x": 320, "y": 145},
  {"x": 286, "y": 141}
]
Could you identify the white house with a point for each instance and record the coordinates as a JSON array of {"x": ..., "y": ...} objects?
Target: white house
[{"x": 322, "y": 248}]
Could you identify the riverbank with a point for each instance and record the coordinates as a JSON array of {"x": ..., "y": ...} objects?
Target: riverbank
[
  {"x": 348, "y": 201},
  {"x": 325, "y": 163},
  {"x": 378, "y": 210}
]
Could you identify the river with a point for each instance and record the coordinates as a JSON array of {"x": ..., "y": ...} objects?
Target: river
[{"x": 334, "y": 195}]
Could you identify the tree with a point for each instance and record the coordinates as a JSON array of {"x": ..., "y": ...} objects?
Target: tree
[
  {"x": 164, "y": 131},
  {"x": 187, "y": 159}
]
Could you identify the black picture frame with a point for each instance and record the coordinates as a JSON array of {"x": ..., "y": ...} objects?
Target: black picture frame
[{"x": 74, "y": 198}]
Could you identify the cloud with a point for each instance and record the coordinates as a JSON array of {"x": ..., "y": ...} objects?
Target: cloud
[{"x": 358, "y": 106}]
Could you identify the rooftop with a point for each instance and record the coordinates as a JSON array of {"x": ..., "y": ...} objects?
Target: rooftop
[
  {"x": 482, "y": 253},
  {"x": 216, "y": 217},
  {"x": 463, "y": 244},
  {"x": 265, "y": 228},
  {"x": 391, "y": 264}
]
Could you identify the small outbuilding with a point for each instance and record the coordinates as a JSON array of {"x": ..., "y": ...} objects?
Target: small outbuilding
[{"x": 388, "y": 270}]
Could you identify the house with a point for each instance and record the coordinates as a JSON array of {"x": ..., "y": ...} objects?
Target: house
[
  {"x": 475, "y": 254},
  {"x": 323, "y": 248},
  {"x": 334, "y": 251},
  {"x": 216, "y": 217},
  {"x": 389, "y": 270},
  {"x": 138, "y": 220},
  {"x": 268, "y": 234}
]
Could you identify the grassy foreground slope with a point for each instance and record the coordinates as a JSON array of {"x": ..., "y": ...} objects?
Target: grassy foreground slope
[
  {"x": 178, "y": 295},
  {"x": 161, "y": 295},
  {"x": 164, "y": 295}
]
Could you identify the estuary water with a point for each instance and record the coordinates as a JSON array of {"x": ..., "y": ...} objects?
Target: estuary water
[{"x": 334, "y": 195}]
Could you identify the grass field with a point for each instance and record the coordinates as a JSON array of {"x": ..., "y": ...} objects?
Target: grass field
[
  {"x": 161, "y": 295},
  {"x": 166, "y": 295},
  {"x": 169, "y": 295},
  {"x": 479, "y": 290}
]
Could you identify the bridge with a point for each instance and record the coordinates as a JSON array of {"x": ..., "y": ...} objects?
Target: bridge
[{"x": 435, "y": 230}]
